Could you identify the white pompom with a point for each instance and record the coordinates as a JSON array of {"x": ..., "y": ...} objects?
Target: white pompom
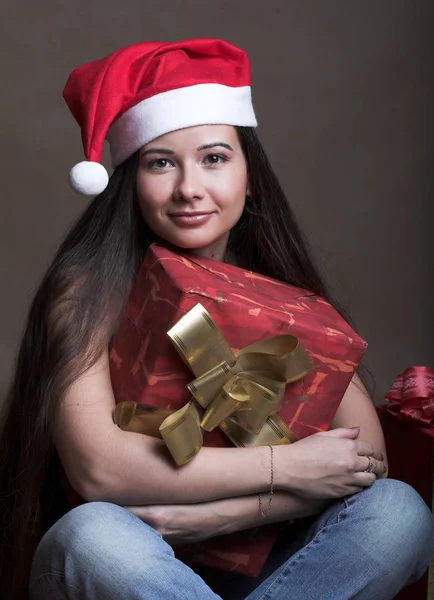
[{"x": 88, "y": 178}]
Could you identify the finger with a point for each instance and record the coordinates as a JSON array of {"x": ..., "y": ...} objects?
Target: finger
[
  {"x": 367, "y": 449},
  {"x": 354, "y": 489},
  {"x": 363, "y": 479},
  {"x": 143, "y": 512},
  {"x": 134, "y": 510},
  {"x": 131, "y": 509},
  {"x": 368, "y": 464},
  {"x": 342, "y": 432}
]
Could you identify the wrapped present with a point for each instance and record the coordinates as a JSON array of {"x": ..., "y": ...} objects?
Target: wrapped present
[
  {"x": 247, "y": 308},
  {"x": 408, "y": 425}
]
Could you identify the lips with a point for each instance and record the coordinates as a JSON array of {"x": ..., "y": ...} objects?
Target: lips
[
  {"x": 189, "y": 213},
  {"x": 190, "y": 218}
]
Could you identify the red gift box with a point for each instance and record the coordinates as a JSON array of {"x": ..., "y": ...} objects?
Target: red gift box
[
  {"x": 248, "y": 307},
  {"x": 408, "y": 425}
]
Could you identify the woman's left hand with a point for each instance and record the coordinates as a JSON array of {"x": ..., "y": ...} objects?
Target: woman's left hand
[{"x": 180, "y": 523}]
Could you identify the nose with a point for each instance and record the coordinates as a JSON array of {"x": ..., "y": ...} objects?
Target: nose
[{"x": 189, "y": 185}]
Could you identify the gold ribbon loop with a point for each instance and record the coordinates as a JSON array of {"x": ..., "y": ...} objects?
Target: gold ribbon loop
[
  {"x": 140, "y": 418},
  {"x": 182, "y": 433},
  {"x": 233, "y": 397},
  {"x": 274, "y": 432},
  {"x": 200, "y": 342},
  {"x": 264, "y": 402},
  {"x": 241, "y": 393}
]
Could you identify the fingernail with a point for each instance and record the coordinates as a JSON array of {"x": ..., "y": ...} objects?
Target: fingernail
[{"x": 355, "y": 427}]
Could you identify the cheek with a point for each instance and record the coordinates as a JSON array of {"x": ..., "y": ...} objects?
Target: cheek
[
  {"x": 151, "y": 195},
  {"x": 234, "y": 193}
]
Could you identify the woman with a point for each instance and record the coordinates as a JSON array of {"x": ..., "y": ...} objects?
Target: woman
[{"x": 189, "y": 173}]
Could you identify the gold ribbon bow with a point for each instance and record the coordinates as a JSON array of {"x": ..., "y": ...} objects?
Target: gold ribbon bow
[{"x": 240, "y": 393}]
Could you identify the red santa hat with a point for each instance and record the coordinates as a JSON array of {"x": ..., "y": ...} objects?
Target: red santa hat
[{"x": 146, "y": 90}]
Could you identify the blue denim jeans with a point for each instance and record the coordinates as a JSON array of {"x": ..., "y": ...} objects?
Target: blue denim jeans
[{"x": 366, "y": 546}]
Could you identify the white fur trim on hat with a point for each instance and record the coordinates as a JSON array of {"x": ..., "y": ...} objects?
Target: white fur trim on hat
[
  {"x": 202, "y": 104},
  {"x": 88, "y": 178}
]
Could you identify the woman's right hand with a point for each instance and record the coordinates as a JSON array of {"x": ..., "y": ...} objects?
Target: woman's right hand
[{"x": 329, "y": 464}]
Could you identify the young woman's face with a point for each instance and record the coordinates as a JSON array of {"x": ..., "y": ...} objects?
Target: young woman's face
[{"x": 191, "y": 187}]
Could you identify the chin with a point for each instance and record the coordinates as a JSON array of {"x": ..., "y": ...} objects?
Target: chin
[{"x": 192, "y": 244}]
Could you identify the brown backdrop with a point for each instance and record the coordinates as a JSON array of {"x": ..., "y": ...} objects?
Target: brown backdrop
[{"x": 344, "y": 94}]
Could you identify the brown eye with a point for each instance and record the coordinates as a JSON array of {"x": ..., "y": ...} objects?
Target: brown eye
[
  {"x": 214, "y": 159},
  {"x": 159, "y": 163}
]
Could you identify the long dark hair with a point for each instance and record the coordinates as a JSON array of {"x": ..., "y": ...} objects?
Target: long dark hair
[{"x": 74, "y": 315}]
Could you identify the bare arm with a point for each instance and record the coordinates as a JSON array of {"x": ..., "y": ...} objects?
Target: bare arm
[
  {"x": 199, "y": 521},
  {"x": 357, "y": 408},
  {"x": 194, "y": 522},
  {"x": 105, "y": 463}
]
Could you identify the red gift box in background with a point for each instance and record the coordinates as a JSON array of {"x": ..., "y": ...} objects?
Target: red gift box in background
[
  {"x": 247, "y": 307},
  {"x": 408, "y": 425}
]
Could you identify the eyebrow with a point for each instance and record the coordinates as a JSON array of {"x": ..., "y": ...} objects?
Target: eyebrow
[
  {"x": 157, "y": 151},
  {"x": 213, "y": 145},
  {"x": 203, "y": 147}
]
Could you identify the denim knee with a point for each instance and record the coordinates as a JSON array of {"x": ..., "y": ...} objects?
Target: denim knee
[
  {"x": 101, "y": 551},
  {"x": 101, "y": 525},
  {"x": 398, "y": 523},
  {"x": 98, "y": 537}
]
